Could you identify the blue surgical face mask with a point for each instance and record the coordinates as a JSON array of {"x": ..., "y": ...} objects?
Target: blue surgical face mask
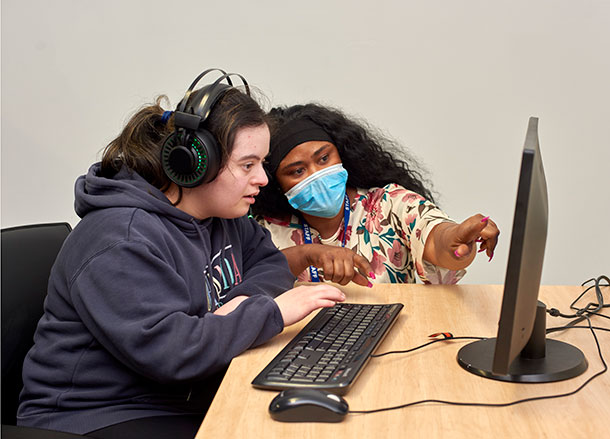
[{"x": 321, "y": 194}]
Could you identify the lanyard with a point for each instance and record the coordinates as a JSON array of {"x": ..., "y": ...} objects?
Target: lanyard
[{"x": 313, "y": 271}]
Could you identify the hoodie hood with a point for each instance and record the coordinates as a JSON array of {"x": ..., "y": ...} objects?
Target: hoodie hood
[{"x": 125, "y": 189}]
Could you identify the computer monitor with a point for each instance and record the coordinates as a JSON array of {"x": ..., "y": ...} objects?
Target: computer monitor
[{"x": 521, "y": 352}]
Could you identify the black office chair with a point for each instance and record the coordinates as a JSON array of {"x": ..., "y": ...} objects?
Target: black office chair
[{"x": 28, "y": 253}]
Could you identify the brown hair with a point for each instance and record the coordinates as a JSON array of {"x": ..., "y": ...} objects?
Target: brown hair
[{"x": 139, "y": 145}]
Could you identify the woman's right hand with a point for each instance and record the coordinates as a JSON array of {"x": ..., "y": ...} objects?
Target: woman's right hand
[
  {"x": 299, "y": 302},
  {"x": 340, "y": 265}
]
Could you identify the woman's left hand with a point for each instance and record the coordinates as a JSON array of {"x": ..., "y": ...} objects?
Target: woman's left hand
[
  {"x": 453, "y": 245},
  {"x": 475, "y": 229}
]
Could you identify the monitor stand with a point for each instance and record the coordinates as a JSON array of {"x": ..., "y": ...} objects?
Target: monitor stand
[{"x": 542, "y": 360}]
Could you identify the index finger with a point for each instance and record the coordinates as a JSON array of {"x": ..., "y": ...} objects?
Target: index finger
[
  {"x": 471, "y": 228},
  {"x": 363, "y": 265},
  {"x": 490, "y": 235}
]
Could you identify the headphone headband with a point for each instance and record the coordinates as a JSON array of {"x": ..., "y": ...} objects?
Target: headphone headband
[
  {"x": 211, "y": 95},
  {"x": 182, "y": 105}
]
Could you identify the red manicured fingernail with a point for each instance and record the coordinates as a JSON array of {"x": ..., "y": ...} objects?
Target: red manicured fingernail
[
  {"x": 372, "y": 275},
  {"x": 480, "y": 240},
  {"x": 370, "y": 285},
  {"x": 485, "y": 219},
  {"x": 491, "y": 257},
  {"x": 457, "y": 254},
  {"x": 482, "y": 250}
]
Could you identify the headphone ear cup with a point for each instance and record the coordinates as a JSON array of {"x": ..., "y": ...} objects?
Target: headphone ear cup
[
  {"x": 213, "y": 154},
  {"x": 190, "y": 160}
]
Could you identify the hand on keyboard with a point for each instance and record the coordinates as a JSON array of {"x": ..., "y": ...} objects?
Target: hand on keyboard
[{"x": 299, "y": 302}]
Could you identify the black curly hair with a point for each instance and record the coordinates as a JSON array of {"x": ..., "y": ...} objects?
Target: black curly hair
[{"x": 371, "y": 159}]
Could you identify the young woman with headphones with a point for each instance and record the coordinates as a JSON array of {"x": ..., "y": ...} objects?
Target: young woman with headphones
[
  {"x": 164, "y": 280},
  {"x": 341, "y": 199}
]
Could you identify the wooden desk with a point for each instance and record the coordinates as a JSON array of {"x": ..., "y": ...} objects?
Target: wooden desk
[{"x": 240, "y": 411}]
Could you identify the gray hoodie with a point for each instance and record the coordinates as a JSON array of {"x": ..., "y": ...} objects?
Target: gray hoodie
[{"x": 128, "y": 329}]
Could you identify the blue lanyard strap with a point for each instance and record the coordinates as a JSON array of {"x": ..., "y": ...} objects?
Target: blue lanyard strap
[{"x": 313, "y": 271}]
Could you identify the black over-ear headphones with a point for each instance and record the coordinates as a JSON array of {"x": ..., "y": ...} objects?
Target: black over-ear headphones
[{"x": 191, "y": 155}]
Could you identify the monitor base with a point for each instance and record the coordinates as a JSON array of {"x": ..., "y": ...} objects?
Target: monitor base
[{"x": 561, "y": 362}]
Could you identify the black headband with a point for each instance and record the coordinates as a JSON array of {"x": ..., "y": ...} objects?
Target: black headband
[{"x": 290, "y": 135}]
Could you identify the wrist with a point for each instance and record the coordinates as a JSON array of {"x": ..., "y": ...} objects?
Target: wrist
[
  {"x": 309, "y": 253},
  {"x": 441, "y": 233},
  {"x": 299, "y": 257},
  {"x": 439, "y": 248}
]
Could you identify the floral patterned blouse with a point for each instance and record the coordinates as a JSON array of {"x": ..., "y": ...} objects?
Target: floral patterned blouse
[{"x": 388, "y": 226}]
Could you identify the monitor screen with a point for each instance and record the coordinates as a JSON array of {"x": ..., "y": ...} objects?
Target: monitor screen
[{"x": 521, "y": 352}]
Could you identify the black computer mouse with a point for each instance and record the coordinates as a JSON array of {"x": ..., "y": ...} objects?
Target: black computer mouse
[{"x": 308, "y": 405}]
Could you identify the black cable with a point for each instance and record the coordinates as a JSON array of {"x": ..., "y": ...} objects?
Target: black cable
[
  {"x": 501, "y": 404},
  {"x": 553, "y": 311},
  {"x": 548, "y": 331},
  {"x": 602, "y": 315},
  {"x": 590, "y": 308},
  {"x": 596, "y": 284},
  {"x": 579, "y": 315},
  {"x": 405, "y": 351},
  {"x": 562, "y": 328}
]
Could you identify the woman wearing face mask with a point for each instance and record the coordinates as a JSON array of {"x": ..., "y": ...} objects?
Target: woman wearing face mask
[{"x": 340, "y": 202}]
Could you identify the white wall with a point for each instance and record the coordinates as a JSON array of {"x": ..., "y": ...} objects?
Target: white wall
[{"x": 454, "y": 80}]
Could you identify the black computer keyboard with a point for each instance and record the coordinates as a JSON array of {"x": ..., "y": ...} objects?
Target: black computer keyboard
[{"x": 331, "y": 350}]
